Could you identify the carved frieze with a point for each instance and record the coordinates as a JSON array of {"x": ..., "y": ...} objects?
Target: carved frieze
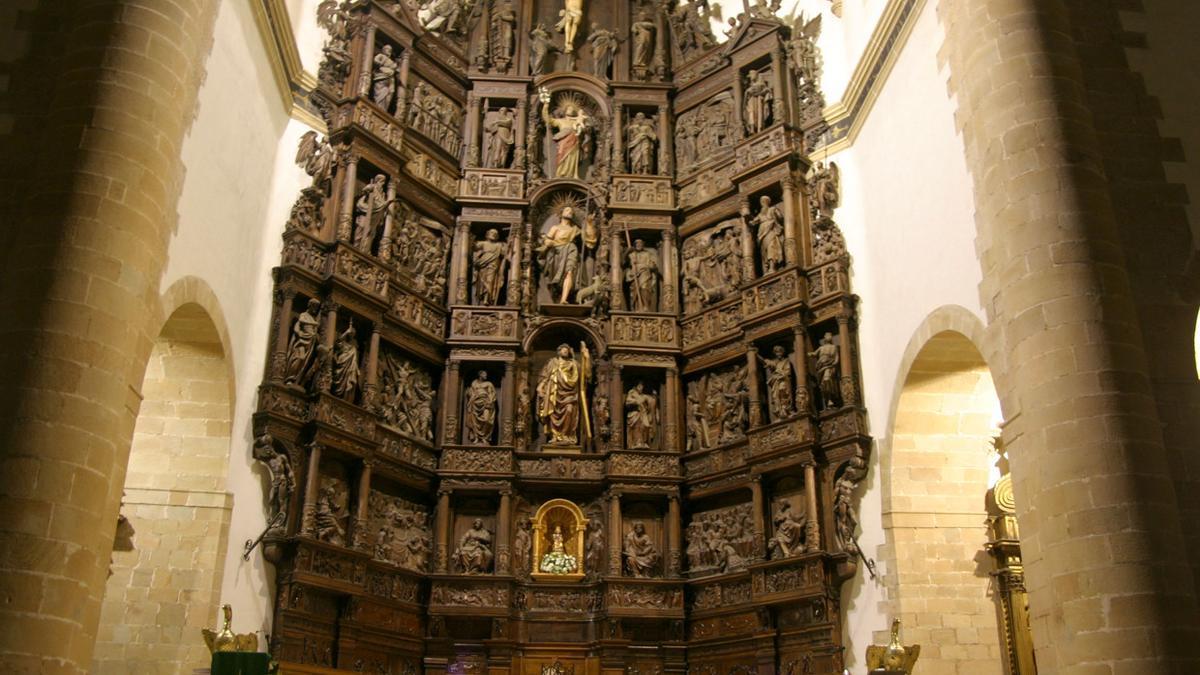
[
  {"x": 780, "y": 435},
  {"x": 483, "y": 324},
  {"x": 707, "y": 185},
  {"x": 344, "y": 417},
  {"x": 772, "y": 293},
  {"x": 645, "y": 597},
  {"x": 845, "y": 423},
  {"x": 563, "y": 600},
  {"x": 704, "y": 629},
  {"x": 378, "y": 124},
  {"x": 306, "y": 253},
  {"x": 360, "y": 271},
  {"x": 493, "y": 183},
  {"x": 825, "y": 281},
  {"x": 415, "y": 313},
  {"x": 427, "y": 170},
  {"x": 714, "y": 324},
  {"x": 406, "y": 449},
  {"x": 562, "y": 467},
  {"x": 763, "y": 147},
  {"x": 716, "y": 461},
  {"x": 331, "y": 565},
  {"x": 445, "y": 593},
  {"x": 642, "y": 192},
  {"x": 643, "y": 464},
  {"x": 382, "y": 583},
  {"x": 799, "y": 576},
  {"x": 649, "y": 331},
  {"x": 286, "y": 402},
  {"x": 476, "y": 460}
]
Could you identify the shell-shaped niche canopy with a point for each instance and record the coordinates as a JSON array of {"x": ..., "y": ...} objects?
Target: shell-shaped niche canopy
[{"x": 558, "y": 532}]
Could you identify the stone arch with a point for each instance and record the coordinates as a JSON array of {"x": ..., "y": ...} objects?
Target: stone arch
[
  {"x": 169, "y": 557},
  {"x": 936, "y": 468}
]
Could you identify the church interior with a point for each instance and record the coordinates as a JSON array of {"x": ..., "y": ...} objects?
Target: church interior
[{"x": 599, "y": 337}]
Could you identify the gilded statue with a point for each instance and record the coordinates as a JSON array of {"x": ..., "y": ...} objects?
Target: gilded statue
[
  {"x": 779, "y": 375},
  {"x": 480, "y": 411},
  {"x": 570, "y": 133},
  {"x": 474, "y": 552},
  {"x": 559, "y": 255},
  {"x": 828, "y": 359},
  {"x": 769, "y": 223},
  {"x": 488, "y": 262},
  {"x": 302, "y": 344},
  {"x": 558, "y": 561},
  {"x": 562, "y": 397},
  {"x": 641, "y": 418},
  {"x": 640, "y": 554},
  {"x": 568, "y": 23}
]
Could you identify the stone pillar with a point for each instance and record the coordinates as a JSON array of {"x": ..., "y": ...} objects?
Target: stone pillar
[
  {"x": 616, "y": 398},
  {"x": 362, "y": 538},
  {"x": 616, "y": 271},
  {"x": 1109, "y": 585},
  {"x": 665, "y": 151},
  {"x": 754, "y": 384},
  {"x": 845, "y": 364},
  {"x": 618, "y": 144},
  {"x": 760, "y": 520},
  {"x": 312, "y": 484},
  {"x": 345, "y": 221},
  {"x": 441, "y": 531},
  {"x": 748, "y": 244},
  {"x": 669, "y": 302},
  {"x": 283, "y": 332},
  {"x": 371, "y": 386},
  {"x": 789, "y": 221},
  {"x": 614, "y": 533},
  {"x": 504, "y": 533},
  {"x": 674, "y": 527},
  {"x": 389, "y": 223},
  {"x": 812, "y": 534},
  {"x": 507, "y": 396},
  {"x": 800, "y": 362}
]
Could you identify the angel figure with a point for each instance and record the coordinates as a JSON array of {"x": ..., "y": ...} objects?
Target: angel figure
[
  {"x": 895, "y": 657},
  {"x": 571, "y": 132},
  {"x": 803, "y": 55},
  {"x": 317, "y": 158},
  {"x": 826, "y": 185}
]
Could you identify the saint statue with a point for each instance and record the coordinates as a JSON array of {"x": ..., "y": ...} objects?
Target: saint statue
[
  {"x": 604, "y": 45},
  {"x": 283, "y": 480},
  {"x": 500, "y": 139},
  {"x": 828, "y": 359},
  {"x": 826, "y": 188},
  {"x": 487, "y": 265},
  {"x": 570, "y": 133},
  {"x": 474, "y": 552},
  {"x": 643, "y": 141},
  {"x": 302, "y": 343},
  {"x": 558, "y": 561},
  {"x": 642, "y": 275},
  {"x": 383, "y": 78},
  {"x": 641, "y": 555},
  {"x": 568, "y": 23},
  {"x": 641, "y": 418},
  {"x": 370, "y": 207},
  {"x": 642, "y": 30},
  {"x": 540, "y": 45},
  {"x": 345, "y": 364},
  {"x": 504, "y": 24},
  {"x": 779, "y": 372},
  {"x": 593, "y": 554},
  {"x": 327, "y": 516},
  {"x": 481, "y": 411},
  {"x": 562, "y": 397},
  {"x": 769, "y": 222},
  {"x": 559, "y": 256},
  {"x": 788, "y": 539},
  {"x": 522, "y": 548},
  {"x": 757, "y": 107}
]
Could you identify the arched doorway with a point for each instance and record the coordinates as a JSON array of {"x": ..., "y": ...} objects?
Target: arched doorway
[
  {"x": 167, "y": 562},
  {"x": 942, "y": 463}
]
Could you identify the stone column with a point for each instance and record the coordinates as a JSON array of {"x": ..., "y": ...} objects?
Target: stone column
[
  {"x": 504, "y": 533},
  {"x": 845, "y": 364},
  {"x": 345, "y": 221},
  {"x": 441, "y": 531},
  {"x": 748, "y": 243},
  {"x": 362, "y": 538},
  {"x": 614, "y": 533},
  {"x": 371, "y": 386},
  {"x": 507, "y": 396},
  {"x": 665, "y": 151},
  {"x": 673, "y": 536},
  {"x": 1085, "y": 438},
  {"x": 760, "y": 520},
  {"x": 789, "y": 221},
  {"x": 754, "y": 384},
  {"x": 618, "y": 145},
  {"x": 283, "y": 332},
  {"x": 389, "y": 223},
  {"x": 800, "y": 362},
  {"x": 812, "y": 534},
  {"x": 669, "y": 302},
  {"x": 312, "y": 484},
  {"x": 616, "y": 271}
]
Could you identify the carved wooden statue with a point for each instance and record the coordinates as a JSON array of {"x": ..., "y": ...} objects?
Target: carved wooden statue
[
  {"x": 540, "y": 46},
  {"x": 488, "y": 263},
  {"x": 769, "y": 223},
  {"x": 345, "y": 364},
  {"x": 593, "y": 562},
  {"x": 828, "y": 359},
  {"x": 504, "y": 25},
  {"x": 562, "y": 396},
  {"x": 328, "y": 514},
  {"x": 779, "y": 375},
  {"x": 604, "y": 44},
  {"x": 500, "y": 135},
  {"x": 642, "y": 273},
  {"x": 371, "y": 206},
  {"x": 474, "y": 552},
  {"x": 788, "y": 539},
  {"x": 642, "y": 140},
  {"x": 480, "y": 411},
  {"x": 523, "y": 548},
  {"x": 643, "y": 33},
  {"x": 640, "y": 553},
  {"x": 558, "y": 256},
  {"x": 383, "y": 78},
  {"x": 302, "y": 344},
  {"x": 641, "y": 418},
  {"x": 757, "y": 98},
  {"x": 283, "y": 480}
]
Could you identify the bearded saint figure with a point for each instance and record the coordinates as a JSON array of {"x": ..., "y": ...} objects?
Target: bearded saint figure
[{"x": 562, "y": 402}]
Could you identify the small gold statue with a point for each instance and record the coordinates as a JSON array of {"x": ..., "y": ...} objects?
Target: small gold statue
[
  {"x": 895, "y": 658},
  {"x": 226, "y": 640}
]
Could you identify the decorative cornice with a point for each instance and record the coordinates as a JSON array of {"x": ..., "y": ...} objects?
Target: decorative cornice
[{"x": 291, "y": 80}]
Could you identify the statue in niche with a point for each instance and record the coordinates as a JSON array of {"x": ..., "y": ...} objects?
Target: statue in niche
[
  {"x": 559, "y": 255},
  {"x": 828, "y": 359},
  {"x": 640, "y": 554},
  {"x": 474, "y": 552},
  {"x": 558, "y": 561},
  {"x": 488, "y": 262},
  {"x": 643, "y": 32},
  {"x": 283, "y": 480},
  {"x": 788, "y": 539},
  {"x": 604, "y": 44},
  {"x": 523, "y": 548},
  {"x": 301, "y": 345},
  {"x": 642, "y": 136},
  {"x": 597, "y": 294},
  {"x": 500, "y": 133},
  {"x": 329, "y": 512},
  {"x": 335, "y": 67},
  {"x": 540, "y": 46},
  {"x": 481, "y": 410},
  {"x": 383, "y": 544},
  {"x": 779, "y": 375},
  {"x": 826, "y": 188},
  {"x": 593, "y": 555},
  {"x": 571, "y": 132},
  {"x": 345, "y": 364},
  {"x": 769, "y": 223},
  {"x": 697, "y": 425},
  {"x": 758, "y": 96},
  {"x": 562, "y": 395},
  {"x": 504, "y": 26},
  {"x": 370, "y": 209},
  {"x": 641, "y": 418},
  {"x": 383, "y": 78},
  {"x": 642, "y": 274},
  {"x": 568, "y": 23}
]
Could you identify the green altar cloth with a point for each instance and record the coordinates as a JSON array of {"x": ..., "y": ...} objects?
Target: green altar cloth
[{"x": 240, "y": 663}]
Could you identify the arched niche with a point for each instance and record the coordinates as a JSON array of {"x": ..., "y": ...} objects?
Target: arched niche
[
  {"x": 568, "y": 251},
  {"x": 573, "y": 113},
  {"x": 586, "y": 347},
  {"x": 565, "y": 517}
]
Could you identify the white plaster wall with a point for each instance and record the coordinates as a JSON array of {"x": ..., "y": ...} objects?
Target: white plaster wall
[
  {"x": 238, "y": 190},
  {"x": 908, "y": 217}
]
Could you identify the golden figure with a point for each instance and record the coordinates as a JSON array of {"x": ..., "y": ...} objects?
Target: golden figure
[
  {"x": 226, "y": 640},
  {"x": 568, "y": 24},
  {"x": 558, "y": 256},
  {"x": 562, "y": 397},
  {"x": 895, "y": 657}
]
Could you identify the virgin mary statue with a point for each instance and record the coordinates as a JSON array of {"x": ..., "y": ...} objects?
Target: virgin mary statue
[{"x": 569, "y": 135}]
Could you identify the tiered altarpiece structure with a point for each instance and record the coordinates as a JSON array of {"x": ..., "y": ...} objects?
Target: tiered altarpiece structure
[{"x": 563, "y": 375}]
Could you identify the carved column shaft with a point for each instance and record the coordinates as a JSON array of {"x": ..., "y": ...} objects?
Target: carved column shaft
[
  {"x": 371, "y": 387},
  {"x": 739, "y": 122},
  {"x": 846, "y": 366},
  {"x": 614, "y": 534},
  {"x": 312, "y": 483},
  {"x": 760, "y": 520},
  {"x": 507, "y": 395},
  {"x": 441, "y": 533},
  {"x": 325, "y": 377},
  {"x": 780, "y": 72},
  {"x": 362, "y": 513},
  {"x": 616, "y": 397},
  {"x": 814, "y": 521},
  {"x": 503, "y": 534},
  {"x": 389, "y": 224},
  {"x": 459, "y": 262},
  {"x": 674, "y": 528},
  {"x": 450, "y": 418},
  {"x": 402, "y": 90},
  {"x": 474, "y": 129},
  {"x": 672, "y": 411},
  {"x": 665, "y": 151},
  {"x": 754, "y": 384},
  {"x": 616, "y": 271},
  {"x": 789, "y": 221},
  {"x": 800, "y": 362},
  {"x": 520, "y": 131},
  {"x": 513, "y": 292},
  {"x": 670, "y": 273},
  {"x": 748, "y": 244},
  {"x": 346, "y": 216},
  {"x": 618, "y": 147},
  {"x": 368, "y": 61},
  {"x": 283, "y": 313}
]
